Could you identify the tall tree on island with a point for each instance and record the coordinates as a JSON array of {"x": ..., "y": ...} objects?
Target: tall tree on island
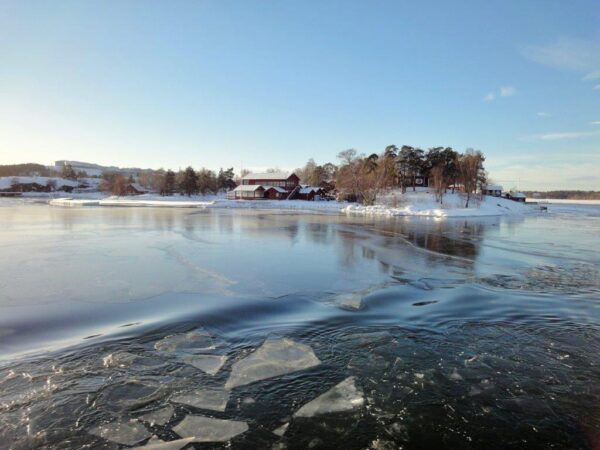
[
  {"x": 189, "y": 183},
  {"x": 225, "y": 180},
  {"x": 471, "y": 173},
  {"x": 68, "y": 172},
  {"x": 438, "y": 180},
  {"x": 403, "y": 166},
  {"x": 168, "y": 183}
]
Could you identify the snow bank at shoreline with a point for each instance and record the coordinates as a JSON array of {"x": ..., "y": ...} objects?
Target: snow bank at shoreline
[
  {"x": 420, "y": 203},
  {"x": 197, "y": 202}
]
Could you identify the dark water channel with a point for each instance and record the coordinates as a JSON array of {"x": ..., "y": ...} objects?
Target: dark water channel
[{"x": 118, "y": 324}]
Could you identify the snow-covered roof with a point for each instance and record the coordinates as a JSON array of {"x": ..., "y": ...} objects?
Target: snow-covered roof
[
  {"x": 277, "y": 188},
  {"x": 138, "y": 187},
  {"x": 493, "y": 187},
  {"x": 248, "y": 187},
  {"x": 268, "y": 176},
  {"x": 309, "y": 189},
  {"x": 518, "y": 195}
]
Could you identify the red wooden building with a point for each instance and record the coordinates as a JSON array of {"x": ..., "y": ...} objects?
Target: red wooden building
[{"x": 270, "y": 185}]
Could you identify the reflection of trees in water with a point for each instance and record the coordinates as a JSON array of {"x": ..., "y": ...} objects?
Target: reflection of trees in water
[
  {"x": 413, "y": 245},
  {"x": 318, "y": 232},
  {"x": 457, "y": 238}
]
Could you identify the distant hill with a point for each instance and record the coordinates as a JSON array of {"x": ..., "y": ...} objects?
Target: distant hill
[
  {"x": 93, "y": 169},
  {"x": 26, "y": 170}
]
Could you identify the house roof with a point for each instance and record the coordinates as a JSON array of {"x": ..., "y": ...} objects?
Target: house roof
[
  {"x": 138, "y": 187},
  {"x": 248, "y": 187},
  {"x": 309, "y": 189},
  {"x": 277, "y": 188},
  {"x": 518, "y": 195},
  {"x": 268, "y": 176}
]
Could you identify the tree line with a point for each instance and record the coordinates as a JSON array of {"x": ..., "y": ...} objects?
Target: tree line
[
  {"x": 184, "y": 182},
  {"x": 362, "y": 178}
]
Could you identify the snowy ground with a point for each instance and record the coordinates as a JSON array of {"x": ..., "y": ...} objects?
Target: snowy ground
[
  {"x": 7, "y": 182},
  {"x": 419, "y": 203},
  {"x": 422, "y": 203},
  {"x": 197, "y": 201}
]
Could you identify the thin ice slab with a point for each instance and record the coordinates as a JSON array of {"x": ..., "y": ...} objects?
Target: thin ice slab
[
  {"x": 158, "y": 444},
  {"x": 125, "y": 433},
  {"x": 213, "y": 399},
  {"x": 208, "y": 429},
  {"x": 280, "y": 431},
  {"x": 158, "y": 417},
  {"x": 209, "y": 364},
  {"x": 191, "y": 342},
  {"x": 274, "y": 358},
  {"x": 352, "y": 301},
  {"x": 344, "y": 396}
]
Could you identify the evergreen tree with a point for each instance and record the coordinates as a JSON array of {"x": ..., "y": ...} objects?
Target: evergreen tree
[
  {"x": 68, "y": 172},
  {"x": 168, "y": 183},
  {"x": 225, "y": 180},
  {"x": 189, "y": 183}
]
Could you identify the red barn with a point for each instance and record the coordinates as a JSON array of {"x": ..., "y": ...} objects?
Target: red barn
[{"x": 270, "y": 185}]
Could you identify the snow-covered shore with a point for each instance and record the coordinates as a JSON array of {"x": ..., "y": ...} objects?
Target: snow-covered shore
[
  {"x": 209, "y": 201},
  {"x": 420, "y": 203}
]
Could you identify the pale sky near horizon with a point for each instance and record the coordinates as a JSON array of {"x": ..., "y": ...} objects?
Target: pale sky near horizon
[{"x": 272, "y": 83}]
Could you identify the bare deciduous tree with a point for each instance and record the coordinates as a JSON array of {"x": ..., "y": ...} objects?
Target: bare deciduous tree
[
  {"x": 470, "y": 172},
  {"x": 363, "y": 178},
  {"x": 438, "y": 180}
]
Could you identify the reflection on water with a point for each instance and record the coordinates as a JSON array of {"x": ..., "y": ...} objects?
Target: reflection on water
[{"x": 470, "y": 333}]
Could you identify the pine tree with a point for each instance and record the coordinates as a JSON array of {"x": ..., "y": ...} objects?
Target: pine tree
[
  {"x": 168, "y": 183},
  {"x": 189, "y": 184},
  {"x": 68, "y": 172}
]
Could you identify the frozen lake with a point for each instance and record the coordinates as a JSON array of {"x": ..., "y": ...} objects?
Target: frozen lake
[{"x": 335, "y": 331}]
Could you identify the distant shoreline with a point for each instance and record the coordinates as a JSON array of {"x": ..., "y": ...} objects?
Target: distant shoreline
[{"x": 564, "y": 201}]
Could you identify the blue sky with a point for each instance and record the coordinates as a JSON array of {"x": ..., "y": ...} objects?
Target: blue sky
[{"x": 272, "y": 83}]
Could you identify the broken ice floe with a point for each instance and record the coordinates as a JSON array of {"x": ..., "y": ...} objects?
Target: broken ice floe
[
  {"x": 127, "y": 359},
  {"x": 352, "y": 301},
  {"x": 121, "y": 359},
  {"x": 191, "y": 342},
  {"x": 158, "y": 444},
  {"x": 130, "y": 395},
  {"x": 125, "y": 433},
  {"x": 344, "y": 396},
  {"x": 455, "y": 376},
  {"x": 274, "y": 358},
  {"x": 158, "y": 417},
  {"x": 208, "y": 429},
  {"x": 214, "y": 399},
  {"x": 280, "y": 431},
  {"x": 209, "y": 364}
]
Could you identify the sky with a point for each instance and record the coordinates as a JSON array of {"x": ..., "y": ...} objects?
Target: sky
[{"x": 258, "y": 84}]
